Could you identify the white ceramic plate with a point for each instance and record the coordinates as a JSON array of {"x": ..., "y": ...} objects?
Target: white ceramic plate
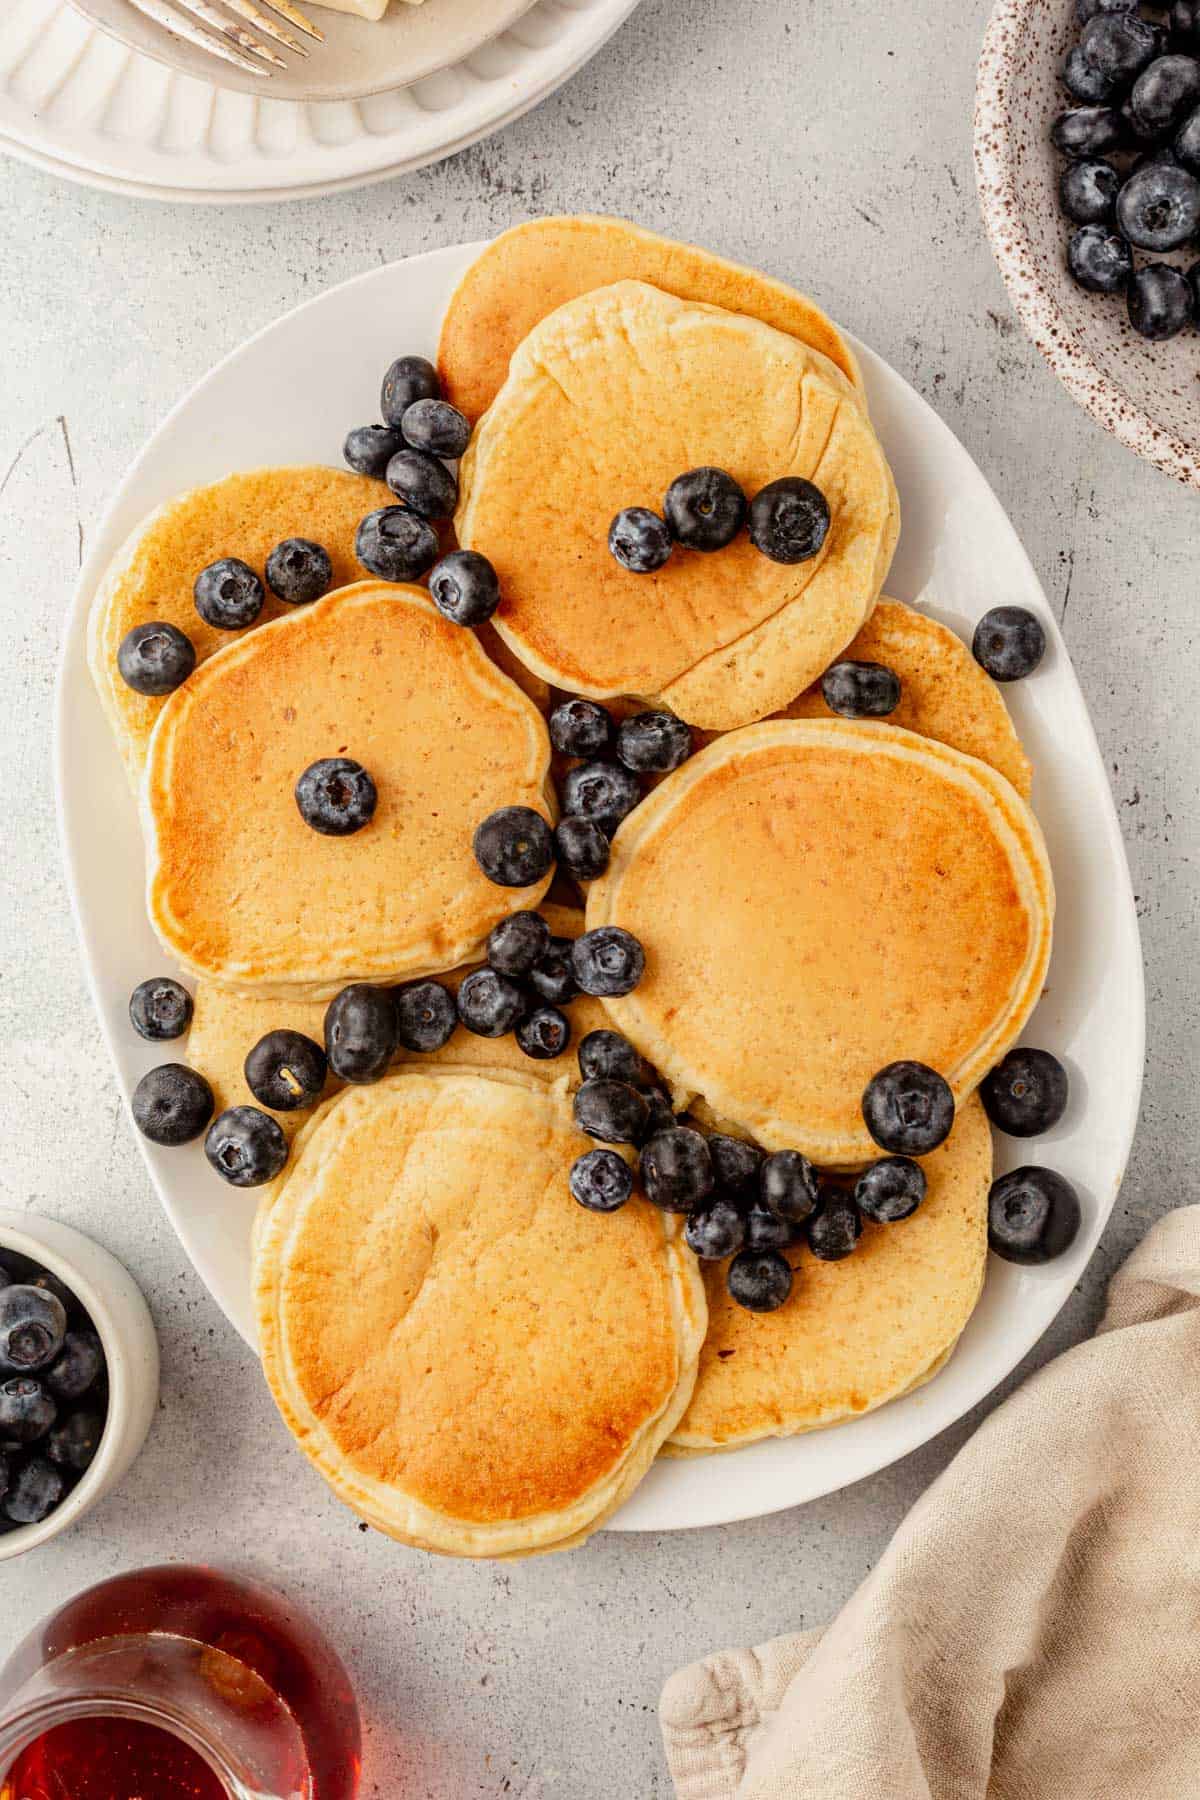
[
  {"x": 958, "y": 555},
  {"x": 80, "y": 105}
]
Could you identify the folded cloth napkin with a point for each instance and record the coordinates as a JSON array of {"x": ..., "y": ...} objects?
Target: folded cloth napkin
[{"x": 1033, "y": 1630}]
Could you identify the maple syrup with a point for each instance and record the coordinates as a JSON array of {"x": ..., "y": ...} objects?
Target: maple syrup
[{"x": 177, "y": 1683}]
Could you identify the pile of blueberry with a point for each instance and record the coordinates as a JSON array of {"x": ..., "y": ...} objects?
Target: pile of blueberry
[
  {"x": 156, "y": 658},
  {"x": 515, "y": 846},
  {"x": 1138, "y": 82},
  {"x": 53, "y": 1391},
  {"x": 529, "y": 977},
  {"x": 705, "y": 509}
]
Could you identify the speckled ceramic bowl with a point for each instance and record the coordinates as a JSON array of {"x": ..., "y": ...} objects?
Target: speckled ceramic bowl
[{"x": 1148, "y": 395}]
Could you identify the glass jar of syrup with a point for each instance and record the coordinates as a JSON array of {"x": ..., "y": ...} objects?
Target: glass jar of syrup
[{"x": 181, "y": 1683}]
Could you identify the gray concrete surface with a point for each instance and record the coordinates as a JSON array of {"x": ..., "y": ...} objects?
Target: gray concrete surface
[{"x": 821, "y": 141}]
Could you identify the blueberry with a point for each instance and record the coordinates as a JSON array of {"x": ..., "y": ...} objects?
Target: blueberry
[
  {"x": 788, "y": 1185},
  {"x": 1193, "y": 276},
  {"x": 580, "y": 728},
  {"x": 581, "y": 848},
  {"x": 228, "y": 594},
  {"x": 1087, "y": 192},
  {"x": 1160, "y": 301},
  {"x": 604, "y": 792},
  {"x": 395, "y": 545},
  {"x": 601, "y": 1180},
  {"x": 860, "y": 690},
  {"x": 736, "y": 1163},
  {"x": 716, "y": 1230},
  {"x": 677, "y": 1171},
  {"x": 48, "y": 1283},
  {"x": 27, "y": 1410},
  {"x": 759, "y": 1280},
  {"x": 299, "y": 571},
  {"x": 155, "y": 659},
  {"x": 789, "y": 520},
  {"x": 660, "y": 1114},
  {"x": 890, "y": 1190},
  {"x": 286, "y": 1071},
  {"x": 1185, "y": 20},
  {"x": 1087, "y": 9},
  {"x": 245, "y": 1146},
  {"x": 370, "y": 448},
  {"x": 1120, "y": 45},
  {"x": 1099, "y": 260},
  {"x": 172, "y": 1104},
  {"x": 436, "y": 427},
  {"x": 423, "y": 484},
  {"x": 835, "y": 1228},
  {"x": 160, "y": 1008},
  {"x": 1088, "y": 131},
  {"x": 409, "y": 379},
  {"x": 639, "y": 540},
  {"x": 464, "y": 588},
  {"x": 765, "y": 1230},
  {"x": 360, "y": 1032},
  {"x": 1165, "y": 93},
  {"x": 77, "y": 1365},
  {"x": 704, "y": 509},
  {"x": 516, "y": 943},
  {"x": 908, "y": 1108},
  {"x": 490, "y": 1004},
  {"x": 1187, "y": 142},
  {"x": 426, "y": 1016},
  {"x": 336, "y": 796},
  {"x": 34, "y": 1492},
  {"x": 1085, "y": 82},
  {"x": 514, "y": 847},
  {"x": 552, "y": 977},
  {"x": 1158, "y": 208},
  {"x": 74, "y": 1442},
  {"x": 607, "y": 1056},
  {"x": 543, "y": 1033},
  {"x": 1026, "y": 1093},
  {"x": 612, "y": 1111},
  {"x": 608, "y": 962},
  {"x": 1009, "y": 643},
  {"x": 1033, "y": 1215},
  {"x": 651, "y": 743}
]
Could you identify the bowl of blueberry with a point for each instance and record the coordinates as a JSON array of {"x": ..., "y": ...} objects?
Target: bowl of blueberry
[
  {"x": 78, "y": 1377},
  {"x": 1087, "y": 156}
]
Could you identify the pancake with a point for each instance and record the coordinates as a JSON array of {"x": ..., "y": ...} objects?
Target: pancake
[
  {"x": 817, "y": 900},
  {"x": 944, "y": 694},
  {"x": 226, "y": 1026},
  {"x": 241, "y": 891},
  {"x": 476, "y": 1364},
  {"x": 244, "y": 515},
  {"x": 854, "y": 1334},
  {"x": 527, "y": 272},
  {"x": 606, "y": 402}
]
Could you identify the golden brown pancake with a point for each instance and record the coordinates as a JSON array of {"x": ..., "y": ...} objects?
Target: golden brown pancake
[
  {"x": 152, "y": 575},
  {"x": 606, "y": 402},
  {"x": 944, "y": 693},
  {"x": 475, "y": 1363},
  {"x": 241, "y": 891},
  {"x": 817, "y": 900},
  {"x": 857, "y": 1333},
  {"x": 527, "y": 272}
]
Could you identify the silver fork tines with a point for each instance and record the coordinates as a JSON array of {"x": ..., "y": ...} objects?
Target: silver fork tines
[{"x": 208, "y": 27}]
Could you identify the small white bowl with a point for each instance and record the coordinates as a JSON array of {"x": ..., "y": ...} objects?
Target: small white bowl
[
  {"x": 1147, "y": 395},
  {"x": 114, "y": 1303}
]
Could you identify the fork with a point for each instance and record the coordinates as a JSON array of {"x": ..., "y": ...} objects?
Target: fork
[{"x": 209, "y": 26}]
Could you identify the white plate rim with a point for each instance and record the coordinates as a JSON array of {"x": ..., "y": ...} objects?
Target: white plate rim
[
  {"x": 717, "y": 1499},
  {"x": 485, "y": 117}
]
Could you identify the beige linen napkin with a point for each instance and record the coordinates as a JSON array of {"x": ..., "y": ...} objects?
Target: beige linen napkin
[{"x": 1033, "y": 1630}]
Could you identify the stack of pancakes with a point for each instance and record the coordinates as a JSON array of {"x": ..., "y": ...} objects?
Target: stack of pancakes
[{"x": 474, "y": 1362}]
